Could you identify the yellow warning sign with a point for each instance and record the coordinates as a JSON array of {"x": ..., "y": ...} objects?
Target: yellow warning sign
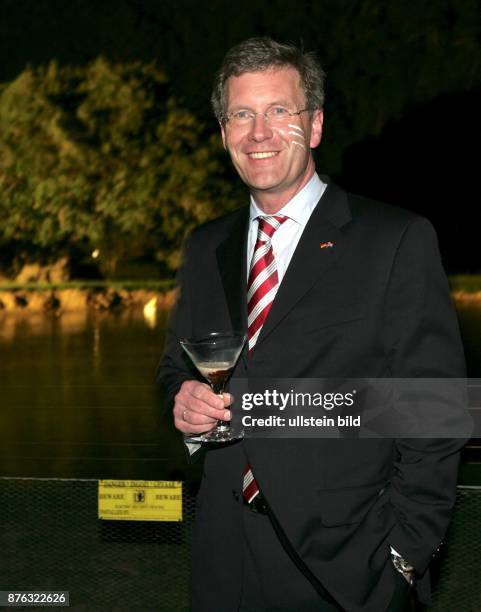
[{"x": 140, "y": 500}]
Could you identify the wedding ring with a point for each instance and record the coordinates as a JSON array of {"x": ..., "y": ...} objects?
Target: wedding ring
[{"x": 183, "y": 415}]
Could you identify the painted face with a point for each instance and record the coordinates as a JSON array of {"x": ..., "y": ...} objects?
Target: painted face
[{"x": 273, "y": 159}]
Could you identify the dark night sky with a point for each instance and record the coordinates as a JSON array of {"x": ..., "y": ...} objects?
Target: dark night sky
[{"x": 404, "y": 82}]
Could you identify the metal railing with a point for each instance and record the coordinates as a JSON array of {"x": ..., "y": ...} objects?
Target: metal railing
[{"x": 51, "y": 540}]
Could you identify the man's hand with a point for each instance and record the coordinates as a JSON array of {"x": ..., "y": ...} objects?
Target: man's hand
[
  {"x": 403, "y": 567},
  {"x": 197, "y": 408},
  {"x": 409, "y": 577}
]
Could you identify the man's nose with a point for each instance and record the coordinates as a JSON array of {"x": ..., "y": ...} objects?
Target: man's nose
[{"x": 260, "y": 128}]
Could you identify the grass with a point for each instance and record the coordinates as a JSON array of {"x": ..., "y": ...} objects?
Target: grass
[
  {"x": 161, "y": 285},
  {"x": 469, "y": 283}
]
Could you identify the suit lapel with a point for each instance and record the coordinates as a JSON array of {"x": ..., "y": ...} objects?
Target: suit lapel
[
  {"x": 232, "y": 263},
  {"x": 313, "y": 255}
]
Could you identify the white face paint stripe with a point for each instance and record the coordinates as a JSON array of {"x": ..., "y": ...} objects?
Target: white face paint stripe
[{"x": 296, "y": 131}]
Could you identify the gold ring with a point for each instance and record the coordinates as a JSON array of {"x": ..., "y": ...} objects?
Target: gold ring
[{"x": 183, "y": 415}]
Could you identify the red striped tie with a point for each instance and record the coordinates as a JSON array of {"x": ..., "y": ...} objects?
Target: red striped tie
[
  {"x": 261, "y": 290},
  {"x": 263, "y": 279},
  {"x": 250, "y": 488}
]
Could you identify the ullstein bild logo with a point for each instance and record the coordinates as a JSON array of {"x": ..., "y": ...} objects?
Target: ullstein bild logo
[{"x": 301, "y": 421}]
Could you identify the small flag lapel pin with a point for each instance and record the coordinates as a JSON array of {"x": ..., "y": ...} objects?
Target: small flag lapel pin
[{"x": 326, "y": 245}]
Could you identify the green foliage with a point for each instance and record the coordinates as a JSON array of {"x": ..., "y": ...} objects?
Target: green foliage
[
  {"x": 101, "y": 157},
  {"x": 467, "y": 283}
]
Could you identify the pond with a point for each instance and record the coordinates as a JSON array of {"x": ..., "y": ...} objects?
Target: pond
[{"x": 78, "y": 399}]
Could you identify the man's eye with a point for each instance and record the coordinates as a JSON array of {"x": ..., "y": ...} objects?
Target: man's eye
[
  {"x": 241, "y": 115},
  {"x": 279, "y": 111}
]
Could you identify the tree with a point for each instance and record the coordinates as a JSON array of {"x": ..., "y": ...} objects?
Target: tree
[{"x": 101, "y": 157}]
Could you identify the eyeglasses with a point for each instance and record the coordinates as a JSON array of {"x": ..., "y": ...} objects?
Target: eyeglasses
[{"x": 276, "y": 115}]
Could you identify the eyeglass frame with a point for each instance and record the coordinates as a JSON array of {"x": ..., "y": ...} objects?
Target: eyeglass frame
[{"x": 252, "y": 114}]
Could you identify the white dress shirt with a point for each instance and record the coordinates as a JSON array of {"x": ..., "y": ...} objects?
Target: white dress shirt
[{"x": 285, "y": 238}]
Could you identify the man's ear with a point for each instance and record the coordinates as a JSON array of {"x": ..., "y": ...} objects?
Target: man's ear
[
  {"x": 316, "y": 128},
  {"x": 222, "y": 131}
]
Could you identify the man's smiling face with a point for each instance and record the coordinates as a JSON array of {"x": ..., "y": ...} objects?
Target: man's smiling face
[{"x": 273, "y": 158}]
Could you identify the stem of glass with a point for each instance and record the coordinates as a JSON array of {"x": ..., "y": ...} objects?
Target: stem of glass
[{"x": 218, "y": 389}]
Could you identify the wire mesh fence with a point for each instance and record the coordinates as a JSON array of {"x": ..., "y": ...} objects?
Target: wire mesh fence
[
  {"x": 52, "y": 539},
  {"x": 458, "y": 570}
]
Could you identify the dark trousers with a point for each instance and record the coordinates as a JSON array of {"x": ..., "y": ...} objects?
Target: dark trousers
[{"x": 272, "y": 583}]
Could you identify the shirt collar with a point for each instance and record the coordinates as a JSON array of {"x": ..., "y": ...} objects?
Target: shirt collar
[{"x": 298, "y": 209}]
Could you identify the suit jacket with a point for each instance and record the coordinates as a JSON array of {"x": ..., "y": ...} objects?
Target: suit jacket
[{"x": 376, "y": 304}]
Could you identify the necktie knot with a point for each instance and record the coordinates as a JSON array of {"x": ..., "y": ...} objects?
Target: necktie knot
[{"x": 268, "y": 225}]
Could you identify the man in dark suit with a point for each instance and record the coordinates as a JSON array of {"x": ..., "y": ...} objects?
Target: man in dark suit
[{"x": 327, "y": 285}]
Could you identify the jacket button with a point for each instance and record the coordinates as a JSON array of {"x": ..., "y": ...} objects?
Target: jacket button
[{"x": 235, "y": 495}]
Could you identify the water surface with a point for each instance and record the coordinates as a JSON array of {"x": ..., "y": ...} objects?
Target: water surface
[{"x": 77, "y": 396}]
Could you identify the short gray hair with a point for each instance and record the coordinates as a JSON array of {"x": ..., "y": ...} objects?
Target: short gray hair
[{"x": 262, "y": 53}]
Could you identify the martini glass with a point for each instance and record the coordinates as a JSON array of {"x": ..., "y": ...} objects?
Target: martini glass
[{"x": 215, "y": 356}]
